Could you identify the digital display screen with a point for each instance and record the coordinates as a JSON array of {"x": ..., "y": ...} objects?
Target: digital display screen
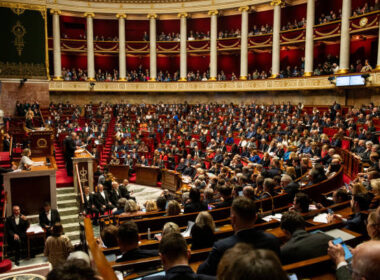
[{"x": 344, "y": 81}]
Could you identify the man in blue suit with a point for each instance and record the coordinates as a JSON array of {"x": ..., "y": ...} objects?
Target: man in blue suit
[{"x": 243, "y": 218}]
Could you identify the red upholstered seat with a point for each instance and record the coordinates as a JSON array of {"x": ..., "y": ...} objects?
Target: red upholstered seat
[{"x": 5, "y": 265}]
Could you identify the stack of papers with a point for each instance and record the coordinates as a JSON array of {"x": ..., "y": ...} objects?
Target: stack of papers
[
  {"x": 35, "y": 228},
  {"x": 187, "y": 232},
  {"x": 273, "y": 217}
]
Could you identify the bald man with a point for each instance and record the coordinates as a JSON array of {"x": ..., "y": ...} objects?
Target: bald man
[{"x": 365, "y": 261}]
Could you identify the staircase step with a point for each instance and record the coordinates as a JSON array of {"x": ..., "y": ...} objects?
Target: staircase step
[
  {"x": 67, "y": 203},
  {"x": 65, "y": 190},
  {"x": 69, "y": 219},
  {"x": 68, "y": 210},
  {"x": 70, "y": 227},
  {"x": 65, "y": 196}
]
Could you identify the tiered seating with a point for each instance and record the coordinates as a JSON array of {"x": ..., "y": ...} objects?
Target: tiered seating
[{"x": 106, "y": 151}]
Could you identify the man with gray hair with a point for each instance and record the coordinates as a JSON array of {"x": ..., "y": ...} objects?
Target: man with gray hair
[
  {"x": 365, "y": 261},
  {"x": 365, "y": 155},
  {"x": 288, "y": 186}
]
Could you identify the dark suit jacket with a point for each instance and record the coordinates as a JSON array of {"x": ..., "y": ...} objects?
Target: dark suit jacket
[
  {"x": 258, "y": 238},
  {"x": 357, "y": 223},
  {"x": 124, "y": 192},
  {"x": 195, "y": 207},
  {"x": 343, "y": 273},
  {"x": 136, "y": 254},
  {"x": 99, "y": 199},
  {"x": 114, "y": 196},
  {"x": 303, "y": 246},
  {"x": 224, "y": 203},
  {"x": 70, "y": 147},
  {"x": 91, "y": 201},
  {"x": 54, "y": 218},
  {"x": 12, "y": 229},
  {"x": 180, "y": 272}
]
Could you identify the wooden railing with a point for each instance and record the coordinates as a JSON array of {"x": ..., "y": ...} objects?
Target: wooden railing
[
  {"x": 352, "y": 164},
  {"x": 3, "y": 217},
  {"x": 103, "y": 266},
  {"x": 79, "y": 185}
]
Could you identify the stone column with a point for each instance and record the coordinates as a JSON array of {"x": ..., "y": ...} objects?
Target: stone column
[
  {"x": 213, "y": 45},
  {"x": 378, "y": 52},
  {"x": 122, "y": 62},
  {"x": 309, "y": 44},
  {"x": 276, "y": 37},
  {"x": 244, "y": 43},
  {"x": 90, "y": 47},
  {"x": 344, "y": 56},
  {"x": 183, "y": 49},
  {"x": 153, "y": 48},
  {"x": 56, "y": 45}
]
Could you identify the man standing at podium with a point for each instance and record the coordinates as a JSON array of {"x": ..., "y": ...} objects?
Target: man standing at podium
[{"x": 70, "y": 148}]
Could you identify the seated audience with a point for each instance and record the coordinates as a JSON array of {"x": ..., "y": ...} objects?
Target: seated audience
[
  {"x": 173, "y": 209},
  {"x": 128, "y": 240},
  {"x": 73, "y": 270},
  {"x": 175, "y": 257},
  {"x": 202, "y": 232},
  {"x": 48, "y": 218},
  {"x": 301, "y": 245},
  {"x": 242, "y": 262},
  {"x": 243, "y": 218},
  {"x": 195, "y": 204}
]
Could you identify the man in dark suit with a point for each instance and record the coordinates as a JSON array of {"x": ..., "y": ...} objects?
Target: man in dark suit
[
  {"x": 48, "y": 218},
  {"x": 175, "y": 256},
  {"x": 89, "y": 207},
  {"x": 128, "y": 239},
  {"x": 123, "y": 188},
  {"x": 226, "y": 192},
  {"x": 243, "y": 218},
  {"x": 115, "y": 193},
  {"x": 301, "y": 245},
  {"x": 70, "y": 148},
  {"x": 359, "y": 202},
  {"x": 365, "y": 261},
  {"x": 189, "y": 170},
  {"x": 16, "y": 226},
  {"x": 181, "y": 165},
  {"x": 102, "y": 200}
]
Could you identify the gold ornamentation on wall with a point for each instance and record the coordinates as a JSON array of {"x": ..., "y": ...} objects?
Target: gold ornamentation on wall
[
  {"x": 26, "y": 70},
  {"x": 18, "y": 10},
  {"x": 18, "y": 30}
]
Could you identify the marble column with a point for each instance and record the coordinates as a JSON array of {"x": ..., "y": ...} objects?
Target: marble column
[
  {"x": 344, "y": 56},
  {"x": 244, "y": 43},
  {"x": 309, "y": 44},
  {"x": 276, "y": 37},
  {"x": 90, "y": 47},
  {"x": 153, "y": 47},
  {"x": 122, "y": 58},
  {"x": 213, "y": 45},
  {"x": 378, "y": 52},
  {"x": 183, "y": 48},
  {"x": 56, "y": 45}
]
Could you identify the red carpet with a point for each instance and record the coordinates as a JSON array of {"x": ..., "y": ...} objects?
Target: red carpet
[{"x": 62, "y": 179}]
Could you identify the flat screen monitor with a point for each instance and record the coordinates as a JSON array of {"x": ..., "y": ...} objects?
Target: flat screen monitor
[{"x": 345, "y": 81}]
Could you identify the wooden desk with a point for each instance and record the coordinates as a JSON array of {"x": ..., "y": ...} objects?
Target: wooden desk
[
  {"x": 147, "y": 175},
  {"x": 171, "y": 180},
  {"x": 37, "y": 185},
  {"x": 85, "y": 162},
  {"x": 32, "y": 235},
  {"x": 120, "y": 172}
]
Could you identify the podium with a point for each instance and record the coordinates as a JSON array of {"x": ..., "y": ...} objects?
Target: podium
[
  {"x": 171, "y": 180},
  {"x": 41, "y": 141},
  {"x": 146, "y": 175},
  {"x": 85, "y": 172},
  {"x": 30, "y": 189}
]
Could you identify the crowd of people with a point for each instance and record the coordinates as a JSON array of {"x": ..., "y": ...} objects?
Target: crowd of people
[{"x": 233, "y": 155}]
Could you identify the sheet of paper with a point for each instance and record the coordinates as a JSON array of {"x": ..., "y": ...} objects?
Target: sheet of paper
[
  {"x": 187, "y": 232},
  {"x": 335, "y": 233},
  {"x": 277, "y": 217},
  {"x": 321, "y": 218}
]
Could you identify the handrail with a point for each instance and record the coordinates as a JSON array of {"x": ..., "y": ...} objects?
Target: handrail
[
  {"x": 11, "y": 148},
  {"x": 79, "y": 184},
  {"x": 103, "y": 266},
  {"x": 3, "y": 219}
]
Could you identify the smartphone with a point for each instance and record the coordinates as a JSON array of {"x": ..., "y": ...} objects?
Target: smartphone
[
  {"x": 330, "y": 211},
  {"x": 209, "y": 207},
  {"x": 292, "y": 276},
  {"x": 240, "y": 193},
  {"x": 347, "y": 252}
]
